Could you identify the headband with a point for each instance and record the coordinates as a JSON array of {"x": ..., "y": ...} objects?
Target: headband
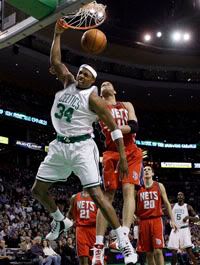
[{"x": 89, "y": 68}]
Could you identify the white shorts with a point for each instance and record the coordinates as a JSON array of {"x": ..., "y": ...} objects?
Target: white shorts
[
  {"x": 82, "y": 158},
  {"x": 180, "y": 239}
]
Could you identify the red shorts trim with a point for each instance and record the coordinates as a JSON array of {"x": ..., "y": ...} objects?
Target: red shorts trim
[
  {"x": 85, "y": 240},
  {"x": 110, "y": 162},
  {"x": 150, "y": 235}
]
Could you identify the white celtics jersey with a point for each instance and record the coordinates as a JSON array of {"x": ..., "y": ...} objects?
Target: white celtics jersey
[
  {"x": 179, "y": 212},
  {"x": 70, "y": 112}
]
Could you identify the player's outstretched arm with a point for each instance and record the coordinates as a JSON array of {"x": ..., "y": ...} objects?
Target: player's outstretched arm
[
  {"x": 167, "y": 205},
  {"x": 100, "y": 108},
  {"x": 132, "y": 126},
  {"x": 57, "y": 67}
]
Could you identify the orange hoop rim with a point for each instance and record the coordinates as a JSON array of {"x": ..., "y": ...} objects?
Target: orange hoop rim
[{"x": 86, "y": 14}]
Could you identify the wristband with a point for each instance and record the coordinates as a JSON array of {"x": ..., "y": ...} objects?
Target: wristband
[{"x": 116, "y": 134}]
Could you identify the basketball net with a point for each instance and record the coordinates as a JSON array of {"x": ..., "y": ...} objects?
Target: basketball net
[{"x": 88, "y": 16}]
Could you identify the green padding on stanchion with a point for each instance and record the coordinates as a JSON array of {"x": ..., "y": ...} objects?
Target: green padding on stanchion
[{"x": 35, "y": 8}]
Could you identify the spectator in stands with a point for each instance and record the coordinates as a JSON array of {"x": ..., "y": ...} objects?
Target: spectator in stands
[
  {"x": 26, "y": 244},
  {"x": 65, "y": 260},
  {"x": 13, "y": 239},
  {"x": 48, "y": 251},
  {"x": 4, "y": 260},
  {"x": 37, "y": 251},
  {"x": 67, "y": 251}
]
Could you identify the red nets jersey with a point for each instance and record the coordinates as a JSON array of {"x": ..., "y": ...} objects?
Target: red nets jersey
[
  {"x": 120, "y": 115},
  {"x": 84, "y": 210},
  {"x": 149, "y": 202}
]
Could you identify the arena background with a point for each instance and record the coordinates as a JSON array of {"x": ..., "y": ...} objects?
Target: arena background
[{"x": 161, "y": 78}]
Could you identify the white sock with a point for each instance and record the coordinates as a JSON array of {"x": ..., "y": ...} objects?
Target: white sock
[
  {"x": 113, "y": 234},
  {"x": 99, "y": 239},
  {"x": 126, "y": 230},
  {"x": 57, "y": 215},
  {"x": 119, "y": 233}
]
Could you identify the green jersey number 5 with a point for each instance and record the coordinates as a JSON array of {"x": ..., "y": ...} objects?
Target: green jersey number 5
[{"x": 64, "y": 112}]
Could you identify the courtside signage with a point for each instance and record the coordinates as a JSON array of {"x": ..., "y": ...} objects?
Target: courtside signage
[
  {"x": 21, "y": 116},
  {"x": 196, "y": 165},
  {"x": 166, "y": 145},
  {"x": 176, "y": 165}
]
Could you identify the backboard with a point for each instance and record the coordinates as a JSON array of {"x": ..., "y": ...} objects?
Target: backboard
[{"x": 16, "y": 25}]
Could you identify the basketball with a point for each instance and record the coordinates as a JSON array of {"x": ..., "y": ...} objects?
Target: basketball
[{"x": 93, "y": 41}]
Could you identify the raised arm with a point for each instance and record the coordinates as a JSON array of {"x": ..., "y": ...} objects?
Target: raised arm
[
  {"x": 132, "y": 126},
  {"x": 100, "y": 108},
  {"x": 167, "y": 205},
  {"x": 57, "y": 67}
]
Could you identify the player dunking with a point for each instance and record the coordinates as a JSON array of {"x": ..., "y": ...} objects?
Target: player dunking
[
  {"x": 149, "y": 212},
  {"x": 183, "y": 213},
  {"x": 124, "y": 115},
  {"x": 83, "y": 211},
  {"x": 73, "y": 112}
]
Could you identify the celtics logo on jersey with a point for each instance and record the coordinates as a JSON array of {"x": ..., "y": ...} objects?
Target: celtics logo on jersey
[{"x": 66, "y": 106}]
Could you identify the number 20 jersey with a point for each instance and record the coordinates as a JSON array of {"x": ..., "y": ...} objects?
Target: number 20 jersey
[
  {"x": 149, "y": 202},
  {"x": 70, "y": 112},
  {"x": 84, "y": 210}
]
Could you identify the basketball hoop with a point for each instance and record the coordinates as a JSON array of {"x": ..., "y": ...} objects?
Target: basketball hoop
[{"x": 87, "y": 17}]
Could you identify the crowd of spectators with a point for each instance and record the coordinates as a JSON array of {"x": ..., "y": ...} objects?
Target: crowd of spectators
[{"x": 24, "y": 222}]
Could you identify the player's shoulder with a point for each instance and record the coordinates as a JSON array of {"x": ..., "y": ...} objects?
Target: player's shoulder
[
  {"x": 57, "y": 94},
  {"x": 188, "y": 206},
  {"x": 128, "y": 105},
  {"x": 159, "y": 184},
  {"x": 74, "y": 196},
  {"x": 94, "y": 89},
  {"x": 65, "y": 89},
  {"x": 93, "y": 92}
]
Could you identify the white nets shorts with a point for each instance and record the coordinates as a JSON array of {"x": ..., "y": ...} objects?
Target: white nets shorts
[
  {"x": 82, "y": 158},
  {"x": 180, "y": 239}
]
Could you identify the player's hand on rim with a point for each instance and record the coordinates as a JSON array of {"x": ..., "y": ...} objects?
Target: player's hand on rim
[{"x": 59, "y": 27}]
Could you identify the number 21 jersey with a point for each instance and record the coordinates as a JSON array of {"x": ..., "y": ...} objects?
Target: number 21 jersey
[{"x": 84, "y": 210}]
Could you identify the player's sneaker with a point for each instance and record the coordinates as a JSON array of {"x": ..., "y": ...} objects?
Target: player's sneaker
[
  {"x": 130, "y": 256},
  {"x": 58, "y": 227},
  {"x": 114, "y": 245},
  {"x": 98, "y": 254}
]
